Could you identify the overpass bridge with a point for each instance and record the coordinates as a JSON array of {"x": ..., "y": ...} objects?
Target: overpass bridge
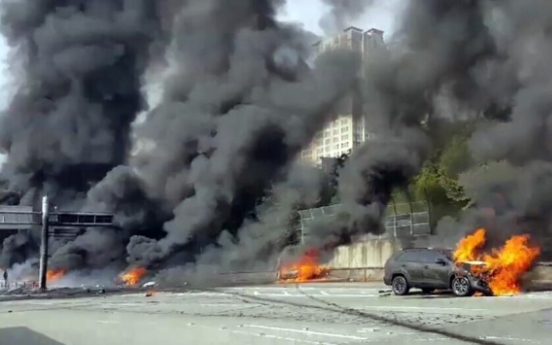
[
  {"x": 53, "y": 224},
  {"x": 61, "y": 224}
]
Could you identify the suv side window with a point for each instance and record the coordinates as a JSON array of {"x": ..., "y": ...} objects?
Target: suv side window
[
  {"x": 431, "y": 256},
  {"x": 410, "y": 256}
]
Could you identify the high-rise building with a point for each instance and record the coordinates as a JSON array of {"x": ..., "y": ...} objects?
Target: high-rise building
[{"x": 350, "y": 129}]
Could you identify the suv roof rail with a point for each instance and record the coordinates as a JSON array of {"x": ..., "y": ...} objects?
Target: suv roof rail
[{"x": 428, "y": 248}]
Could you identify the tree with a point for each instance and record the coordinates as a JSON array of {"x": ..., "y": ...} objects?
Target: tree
[
  {"x": 329, "y": 194},
  {"x": 437, "y": 181}
]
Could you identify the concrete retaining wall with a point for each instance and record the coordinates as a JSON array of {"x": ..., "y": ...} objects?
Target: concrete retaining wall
[{"x": 370, "y": 253}]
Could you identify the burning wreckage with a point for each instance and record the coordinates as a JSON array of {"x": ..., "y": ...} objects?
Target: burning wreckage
[
  {"x": 305, "y": 268},
  {"x": 502, "y": 268}
]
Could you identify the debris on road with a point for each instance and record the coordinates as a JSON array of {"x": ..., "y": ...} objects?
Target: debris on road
[{"x": 149, "y": 284}]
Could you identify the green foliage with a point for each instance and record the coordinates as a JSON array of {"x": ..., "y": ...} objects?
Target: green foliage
[
  {"x": 437, "y": 182},
  {"x": 329, "y": 194}
]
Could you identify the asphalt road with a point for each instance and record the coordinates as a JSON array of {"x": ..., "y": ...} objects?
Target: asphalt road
[{"x": 347, "y": 313}]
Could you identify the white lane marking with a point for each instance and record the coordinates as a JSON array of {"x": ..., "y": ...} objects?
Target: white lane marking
[
  {"x": 545, "y": 295},
  {"x": 220, "y": 305},
  {"x": 429, "y": 339},
  {"x": 489, "y": 337},
  {"x": 324, "y": 334},
  {"x": 293, "y": 287},
  {"x": 30, "y": 302},
  {"x": 311, "y": 295},
  {"x": 107, "y": 321},
  {"x": 482, "y": 338},
  {"x": 271, "y": 336},
  {"x": 292, "y": 340},
  {"x": 324, "y": 293},
  {"x": 419, "y": 308},
  {"x": 115, "y": 304}
]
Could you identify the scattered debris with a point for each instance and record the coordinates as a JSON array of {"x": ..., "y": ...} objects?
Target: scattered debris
[{"x": 149, "y": 284}]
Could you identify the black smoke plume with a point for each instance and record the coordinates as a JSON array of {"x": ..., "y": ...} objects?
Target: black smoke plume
[
  {"x": 79, "y": 67},
  {"x": 512, "y": 148},
  {"x": 240, "y": 105}
]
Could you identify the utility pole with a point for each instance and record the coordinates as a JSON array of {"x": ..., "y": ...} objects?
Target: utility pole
[{"x": 44, "y": 244}]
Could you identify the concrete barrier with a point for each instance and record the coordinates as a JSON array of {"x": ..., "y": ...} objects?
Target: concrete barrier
[
  {"x": 369, "y": 253},
  {"x": 366, "y": 274}
]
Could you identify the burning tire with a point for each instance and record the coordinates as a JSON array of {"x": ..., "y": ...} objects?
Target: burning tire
[
  {"x": 461, "y": 286},
  {"x": 400, "y": 286}
]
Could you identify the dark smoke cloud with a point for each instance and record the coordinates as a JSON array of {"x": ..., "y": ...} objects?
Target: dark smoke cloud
[
  {"x": 122, "y": 193},
  {"x": 260, "y": 241},
  {"x": 79, "y": 67},
  {"x": 18, "y": 248},
  {"x": 514, "y": 149},
  {"x": 239, "y": 107}
]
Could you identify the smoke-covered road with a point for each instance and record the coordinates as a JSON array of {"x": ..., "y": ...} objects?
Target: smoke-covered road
[{"x": 312, "y": 314}]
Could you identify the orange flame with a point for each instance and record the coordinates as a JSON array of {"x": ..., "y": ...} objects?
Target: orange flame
[
  {"x": 54, "y": 275},
  {"x": 504, "y": 266},
  {"x": 305, "y": 269},
  {"x": 133, "y": 276}
]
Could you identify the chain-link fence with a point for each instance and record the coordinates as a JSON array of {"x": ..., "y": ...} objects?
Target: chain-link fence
[{"x": 401, "y": 220}]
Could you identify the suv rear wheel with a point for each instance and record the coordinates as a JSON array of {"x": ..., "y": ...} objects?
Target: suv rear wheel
[
  {"x": 400, "y": 285},
  {"x": 461, "y": 286}
]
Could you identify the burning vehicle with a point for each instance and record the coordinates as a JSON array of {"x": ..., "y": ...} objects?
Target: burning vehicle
[
  {"x": 467, "y": 270},
  {"x": 132, "y": 277},
  {"x": 502, "y": 268},
  {"x": 299, "y": 265},
  {"x": 469, "y": 279},
  {"x": 432, "y": 269}
]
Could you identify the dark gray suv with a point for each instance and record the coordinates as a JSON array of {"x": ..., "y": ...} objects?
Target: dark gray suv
[{"x": 432, "y": 269}]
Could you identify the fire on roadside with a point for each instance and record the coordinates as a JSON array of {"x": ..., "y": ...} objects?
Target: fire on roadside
[
  {"x": 503, "y": 267},
  {"x": 55, "y": 275},
  {"x": 307, "y": 268},
  {"x": 133, "y": 276}
]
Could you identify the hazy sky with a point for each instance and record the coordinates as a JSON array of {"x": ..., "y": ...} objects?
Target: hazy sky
[
  {"x": 307, "y": 12},
  {"x": 381, "y": 15}
]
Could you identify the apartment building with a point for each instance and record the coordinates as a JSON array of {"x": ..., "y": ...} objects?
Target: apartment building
[{"x": 350, "y": 128}]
